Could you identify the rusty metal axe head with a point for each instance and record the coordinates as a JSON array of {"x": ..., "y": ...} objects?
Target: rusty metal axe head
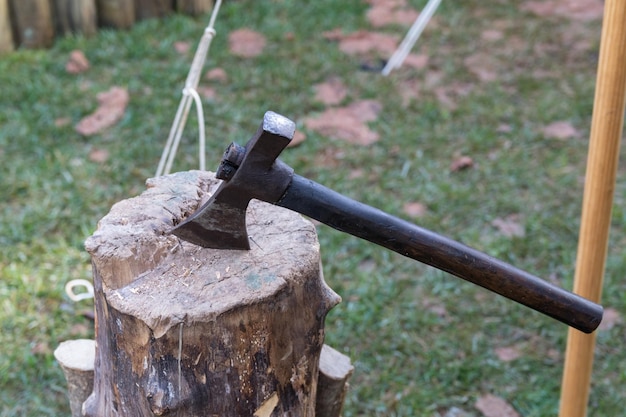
[{"x": 247, "y": 172}]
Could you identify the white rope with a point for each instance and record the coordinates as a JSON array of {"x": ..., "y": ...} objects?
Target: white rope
[
  {"x": 411, "y": 37},
  {"x": 190, "y": 95},
  {"x": 69, "y": 289},
  {"x": 201, "y": 137}
]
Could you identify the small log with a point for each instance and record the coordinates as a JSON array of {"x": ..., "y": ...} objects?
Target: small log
[
  {"x": 189, "y": 331},
  {"x": 148, "y": 9},
  {"x": 32, "y": 23},
  {"x": 118, "y": 14},
  {"x": 6, "y": 36},
  {"x": 75, "y": 16},
  {"x": 332, "y": 385},
  {"x": 76, "y": 358},
  {"x": 194, "y": 7}
]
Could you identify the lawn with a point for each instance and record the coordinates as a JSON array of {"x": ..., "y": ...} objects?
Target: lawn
[{"x": 481, "y": 137}]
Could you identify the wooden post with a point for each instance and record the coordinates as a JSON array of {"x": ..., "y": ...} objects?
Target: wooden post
[
  {"x": 76, "y": 358},
  {"x": 147, "y": 9},
  {"x": 75, "y": 16},
  {"x": 606, "y": 132},
  {"x": 32, "y": 23},
  {"x": 6, "y": 36},
  {"x": 332, "y": 386},
  {"x": 119, "y": 14},
  {"x": 194, "y": 7},
  {"x": 200, "y": 332}
]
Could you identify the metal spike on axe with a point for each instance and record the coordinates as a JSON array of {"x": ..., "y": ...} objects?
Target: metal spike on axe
[{"x": 254, "y": 171}]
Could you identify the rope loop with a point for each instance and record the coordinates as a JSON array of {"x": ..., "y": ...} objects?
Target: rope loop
[{"x": 87, "y": 294}]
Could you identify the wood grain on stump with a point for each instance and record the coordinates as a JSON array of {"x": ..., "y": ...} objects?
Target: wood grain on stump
[{"x": 188, "y": 331}]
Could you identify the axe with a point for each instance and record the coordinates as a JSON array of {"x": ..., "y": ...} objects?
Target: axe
[{"x": 254, "y": 171}]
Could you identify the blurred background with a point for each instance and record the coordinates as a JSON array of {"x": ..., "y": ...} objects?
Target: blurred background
[{"x": 481, "y": 136}]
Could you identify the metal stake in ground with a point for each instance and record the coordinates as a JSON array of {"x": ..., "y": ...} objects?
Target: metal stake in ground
[
  {"x": 411, "y": 37},
  {"x": 602, "y": 162}
]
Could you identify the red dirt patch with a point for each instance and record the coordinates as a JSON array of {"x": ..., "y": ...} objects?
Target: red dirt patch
[
  {"x": 111, "y": 108},
  {"x": 348, "y": 123},
  {"x": 246, "y": 43}
]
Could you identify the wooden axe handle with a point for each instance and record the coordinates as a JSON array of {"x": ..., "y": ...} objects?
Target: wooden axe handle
[{"x": 350, "y": 216}]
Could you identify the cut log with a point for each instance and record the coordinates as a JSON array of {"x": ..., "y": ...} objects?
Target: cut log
[
  {"x": 147, "y": 9},
  {"x": 191, "y": 331},
  {"x": 332, "y": 385},
  {"x": 6, "y": 36},
  {"x": 194, "y": 7},
  {"x": 119, "y": 14},
  {"x": 75, "y": 16},
  {"x": 76, "y": 358},
  {"x": 32, "y": 23}
]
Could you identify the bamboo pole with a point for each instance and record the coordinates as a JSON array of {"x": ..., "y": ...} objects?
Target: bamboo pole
[{"x": 606, "y": 132}]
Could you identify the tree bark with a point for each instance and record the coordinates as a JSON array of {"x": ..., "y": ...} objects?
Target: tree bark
[{"x": 187, "y": 331}]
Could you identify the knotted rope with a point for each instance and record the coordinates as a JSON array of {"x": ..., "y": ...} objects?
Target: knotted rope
[{"x": 190, "y": 95}]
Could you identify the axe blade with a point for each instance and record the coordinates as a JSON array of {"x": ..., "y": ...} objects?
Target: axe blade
[
  {"x": 250, "y": 172},
  {"x": 219, "y": 224}
]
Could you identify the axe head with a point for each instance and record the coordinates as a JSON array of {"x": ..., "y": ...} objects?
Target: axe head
[{"x": 247, "y": 172}]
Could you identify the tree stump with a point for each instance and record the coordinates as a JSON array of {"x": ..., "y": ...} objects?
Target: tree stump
[
  {"x": 147, "y": 9},
  {"x": 332, "y": 385},
  {"x": 119, "y": 14},
  {"x": 75, "y": 16},
  {"x": 194, "y": 7},
  {"x": 6, "y": 36},
  {"x": 76, "y": 358},
  {"x": 32, "y": 23},
  {"x": 188, "y": 331}
]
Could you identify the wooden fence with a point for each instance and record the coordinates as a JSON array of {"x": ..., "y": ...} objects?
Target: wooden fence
[{"x": 35, "y": 23}]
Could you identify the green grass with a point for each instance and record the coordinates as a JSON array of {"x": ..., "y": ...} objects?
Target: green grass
[{"x": 409, "y": 359}]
